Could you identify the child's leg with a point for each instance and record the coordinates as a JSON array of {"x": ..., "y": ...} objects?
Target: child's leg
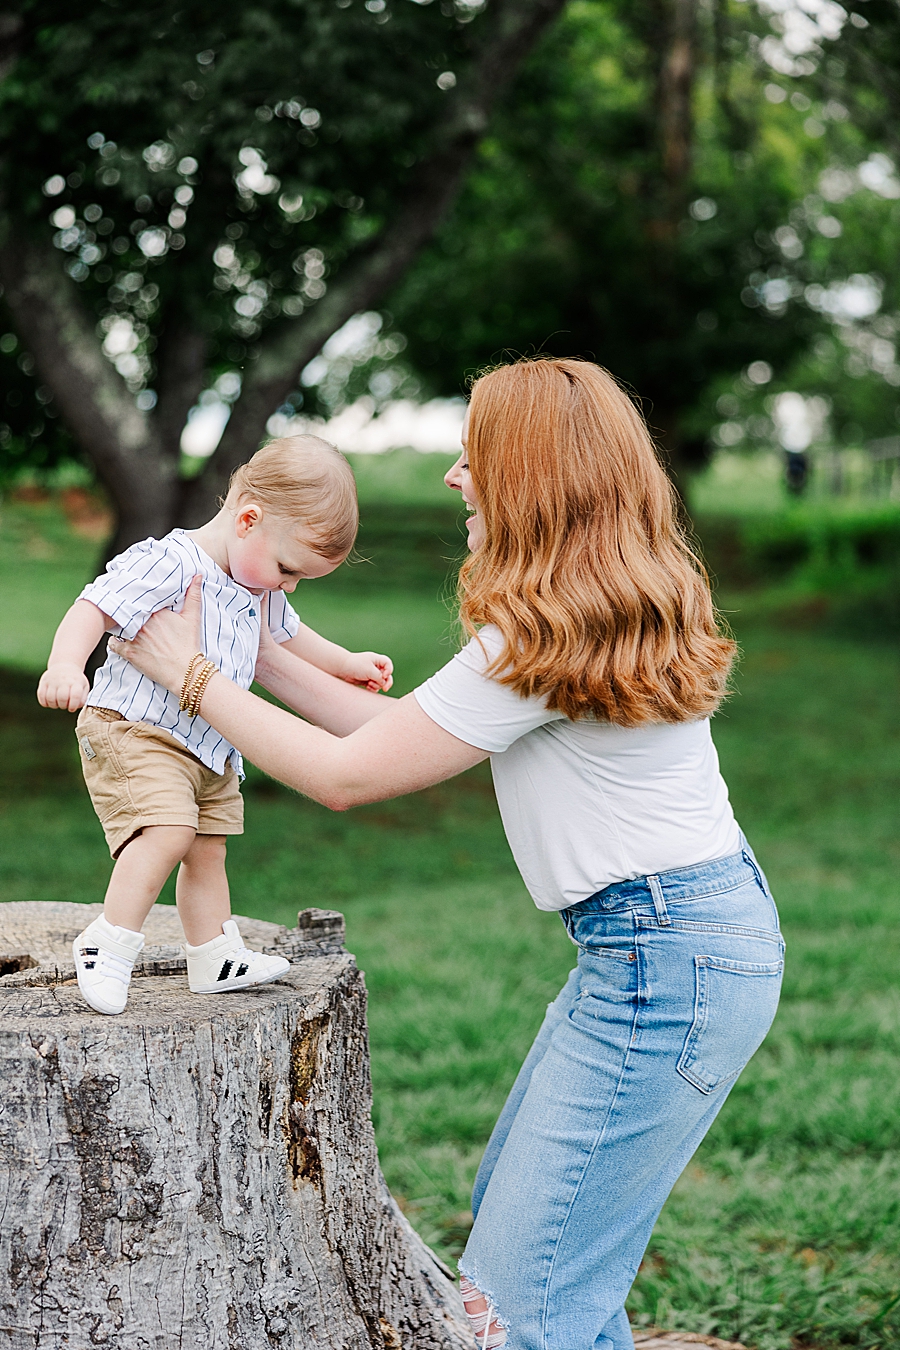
[
  {"x": 106, "y": 951},
  {"x": 201, "y": 890},
  {"x": 140, "y": 873},
  {"x": 217, "y": 960}
]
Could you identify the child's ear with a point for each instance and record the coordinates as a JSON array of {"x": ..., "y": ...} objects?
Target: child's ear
[{"x": 246, "y": 517}]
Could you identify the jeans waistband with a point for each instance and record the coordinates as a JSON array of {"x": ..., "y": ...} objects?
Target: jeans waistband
[{"x": 681, "y": 883}]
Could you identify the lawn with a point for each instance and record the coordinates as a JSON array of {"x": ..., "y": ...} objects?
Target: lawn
[{"x": 786, "y": 1228}]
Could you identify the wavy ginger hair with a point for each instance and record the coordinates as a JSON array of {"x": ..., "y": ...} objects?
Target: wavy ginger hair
[{"x": 585, "y": 570}]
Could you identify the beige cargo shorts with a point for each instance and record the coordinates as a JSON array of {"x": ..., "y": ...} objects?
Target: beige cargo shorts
[{"x": 139, "y": 775}]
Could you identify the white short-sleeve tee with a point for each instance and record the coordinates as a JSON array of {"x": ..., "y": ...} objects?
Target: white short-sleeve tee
[
  {"x": 155, "y": 574},
  {"x": 585, "y": 804}
]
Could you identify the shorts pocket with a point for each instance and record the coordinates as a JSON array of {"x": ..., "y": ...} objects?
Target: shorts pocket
[{"x": 734, "y": 1004}]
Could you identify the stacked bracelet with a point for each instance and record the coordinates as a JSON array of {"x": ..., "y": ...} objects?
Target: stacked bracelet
[
  {"x": 197, "y": 677},
  {"x": 188, "y": 676}
]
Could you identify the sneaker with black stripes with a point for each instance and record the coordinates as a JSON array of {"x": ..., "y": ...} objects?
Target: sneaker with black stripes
[
  {"x": 224, "y": 963},
  {"x": 104, "y": 958}
]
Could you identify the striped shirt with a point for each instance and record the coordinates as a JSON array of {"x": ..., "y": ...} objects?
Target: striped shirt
[{"x": 154, "y": 575}]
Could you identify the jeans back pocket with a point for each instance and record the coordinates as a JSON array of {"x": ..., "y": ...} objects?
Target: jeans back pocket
[{"x": 734, "y": 1004}]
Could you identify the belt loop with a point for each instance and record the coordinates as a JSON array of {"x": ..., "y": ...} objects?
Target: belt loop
[
  {"x": 659, "y": 904},
  {"x": 754, "y": 867}
]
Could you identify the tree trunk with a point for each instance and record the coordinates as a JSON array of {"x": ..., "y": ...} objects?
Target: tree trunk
[
  {"x": 119, "y": 440},
  {"x": 136, "y": 455},
  {"x": 675, "y": 90},
  {"x": 199, "y": 1171}
]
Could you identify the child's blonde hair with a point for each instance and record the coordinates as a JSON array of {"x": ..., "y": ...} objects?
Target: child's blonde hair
[{"x": 306, "y": 480}]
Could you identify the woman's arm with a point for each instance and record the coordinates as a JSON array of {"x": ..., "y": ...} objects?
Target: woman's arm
[{"x": 398, "y": 751}]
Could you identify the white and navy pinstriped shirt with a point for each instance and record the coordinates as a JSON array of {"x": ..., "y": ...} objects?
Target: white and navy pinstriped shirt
[{"x": 154, "y": 575}]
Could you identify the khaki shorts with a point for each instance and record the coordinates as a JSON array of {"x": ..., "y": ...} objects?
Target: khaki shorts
[{"x": 139, "y": 775}]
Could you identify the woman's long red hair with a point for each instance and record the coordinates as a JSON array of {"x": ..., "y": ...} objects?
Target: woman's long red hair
[{"x": 585, "y": 569}]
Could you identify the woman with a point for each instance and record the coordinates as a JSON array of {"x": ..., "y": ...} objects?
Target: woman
[{"x": 594, "y": 666}]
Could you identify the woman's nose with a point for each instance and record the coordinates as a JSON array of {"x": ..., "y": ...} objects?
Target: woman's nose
[{"x": 452, "y": 476}]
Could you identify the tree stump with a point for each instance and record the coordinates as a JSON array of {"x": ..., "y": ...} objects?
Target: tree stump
[{"x": 199, "y": 1172}]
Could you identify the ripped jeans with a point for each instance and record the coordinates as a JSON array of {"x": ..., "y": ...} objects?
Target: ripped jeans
[{"x": 677, "y": 983}]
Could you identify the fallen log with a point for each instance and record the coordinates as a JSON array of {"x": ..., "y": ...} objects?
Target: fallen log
[{"x": 199, "y": 1172}]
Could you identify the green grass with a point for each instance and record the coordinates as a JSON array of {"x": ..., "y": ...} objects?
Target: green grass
[
  {"x": 402, "y": 477},
  {"x": 786, "y": 1228},
  {"x": 751, "y": 482}
]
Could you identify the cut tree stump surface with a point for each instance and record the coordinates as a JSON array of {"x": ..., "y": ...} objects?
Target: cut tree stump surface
[
  {"x": 199, "y": 1172},
  {"x": 36, "y": 940}
]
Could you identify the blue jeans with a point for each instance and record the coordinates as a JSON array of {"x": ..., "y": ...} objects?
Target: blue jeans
[{"x": 677, "y": 983}]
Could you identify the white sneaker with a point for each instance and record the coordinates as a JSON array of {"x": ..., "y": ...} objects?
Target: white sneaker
[
  {"x": 104, "y": 959},
  {"x": 224, "y": 963}
]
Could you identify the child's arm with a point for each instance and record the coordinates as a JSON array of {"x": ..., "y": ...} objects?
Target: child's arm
[
  {"x": 366, "y": 668},
  {"x": 64, "y": 683}
]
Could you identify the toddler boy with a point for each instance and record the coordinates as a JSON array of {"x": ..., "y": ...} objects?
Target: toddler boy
[{"x": 165, "y": 784}]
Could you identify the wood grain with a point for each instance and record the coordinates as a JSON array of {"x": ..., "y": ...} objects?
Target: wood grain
[{"x": 200, "y": 1171}]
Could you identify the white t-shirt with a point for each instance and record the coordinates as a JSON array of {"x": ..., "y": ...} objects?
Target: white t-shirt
[
  {"x": 585, "y": 804},
  {"x": 155, "y": 574}
]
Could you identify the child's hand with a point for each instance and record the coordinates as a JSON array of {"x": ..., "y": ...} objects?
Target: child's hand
[
  {"x": 370, "y": 669},
  {"x": 63, "y": 686}
]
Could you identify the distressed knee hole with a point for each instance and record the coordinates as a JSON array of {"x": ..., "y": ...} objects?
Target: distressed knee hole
[{"x": 490, "y": 1333}]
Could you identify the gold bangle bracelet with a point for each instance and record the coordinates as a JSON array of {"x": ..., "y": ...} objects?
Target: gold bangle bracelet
[
  {"x": 183, "y": 701},
  {"x": 201, "y": 690},
  {"x": 191, "y": 690},
  {"x": 186, "y": 681},
  {"x": 198, "y": 688},
  {"x": 188, "y": 702},
  {"x": 198, "y": 671}
]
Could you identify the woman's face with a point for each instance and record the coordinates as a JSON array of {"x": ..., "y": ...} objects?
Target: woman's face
[{"x": 459, "y": 478}]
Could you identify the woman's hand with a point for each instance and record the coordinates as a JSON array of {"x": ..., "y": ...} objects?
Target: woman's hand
[
  {"x": 268, "y": 651},
  {"x": 163, "y": 648}
]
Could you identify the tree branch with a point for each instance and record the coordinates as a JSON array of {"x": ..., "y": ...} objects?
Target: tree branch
[
  {"x": 517, "y": 26},
  {"x": 92, "y": 397}
]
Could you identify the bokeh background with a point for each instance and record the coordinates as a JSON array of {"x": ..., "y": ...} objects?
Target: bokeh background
[{"x": 216, "y": 227}]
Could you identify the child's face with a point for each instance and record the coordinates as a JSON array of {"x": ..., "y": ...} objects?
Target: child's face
[{"x": 267, "y": 554}]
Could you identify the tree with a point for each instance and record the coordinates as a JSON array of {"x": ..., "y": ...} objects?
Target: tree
[
  {"x": 224, "y": 195},
  {"x": 640, "y": 201}
]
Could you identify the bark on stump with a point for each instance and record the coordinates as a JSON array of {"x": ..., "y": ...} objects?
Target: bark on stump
[{"x": 199, "y": 1172}]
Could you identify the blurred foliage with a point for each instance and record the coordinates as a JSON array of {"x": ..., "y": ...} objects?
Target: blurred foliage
[
  {"x": 208, "y": 166},
  {"x": 564, "y": 241},
  {"x": 571, "y": 236},
  {"x": 404, "y": 478},
  {"x": 833, "y": 569},
  {"x": 31, "y": 436}
]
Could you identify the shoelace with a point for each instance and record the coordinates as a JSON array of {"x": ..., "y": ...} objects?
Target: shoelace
[{"x": 244, "y": 957}]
